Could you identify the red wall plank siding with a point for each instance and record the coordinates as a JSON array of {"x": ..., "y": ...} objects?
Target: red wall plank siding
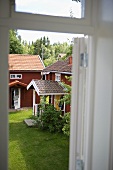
[
  {"x": 26, "y": 76},
  {"x": 63, "y": 79},
  {"x": 26, "y": 95}
]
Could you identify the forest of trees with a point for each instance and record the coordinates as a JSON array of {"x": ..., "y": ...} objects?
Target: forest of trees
[{"x": 43, "y": 47}]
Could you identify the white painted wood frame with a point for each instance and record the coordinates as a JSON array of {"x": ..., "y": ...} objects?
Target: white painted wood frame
[
  {"x": 34, "y": 102},
  {"x": 99, "y": 25},
  {"x": 4, "y": 98}
]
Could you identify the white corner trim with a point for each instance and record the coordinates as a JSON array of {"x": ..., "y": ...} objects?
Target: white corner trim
[
  {"x": 32, "y": 83},
  {"x": 41, "y": 61}
]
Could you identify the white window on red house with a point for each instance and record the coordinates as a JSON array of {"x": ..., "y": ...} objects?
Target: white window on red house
[
  {"x": 57, "y": 77},
  {"x": 15, "y": 76},
  {"x": 12, "y": 76}
]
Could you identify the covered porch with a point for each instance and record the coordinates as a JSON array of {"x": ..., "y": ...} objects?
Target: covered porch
[
  {"x": 50, "y": 92},
  {"x": 98, "y": 24},
  {"x": 16, "y": 88}
]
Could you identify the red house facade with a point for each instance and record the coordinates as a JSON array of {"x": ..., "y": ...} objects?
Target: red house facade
[
  {"x": 22, "y": 69},
  {"x": 58, "y": 72}
]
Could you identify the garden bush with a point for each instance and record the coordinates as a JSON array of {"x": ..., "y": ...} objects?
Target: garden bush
[
  {"x": 66, "y": 125},
  {"x": 51, "y": 119}
]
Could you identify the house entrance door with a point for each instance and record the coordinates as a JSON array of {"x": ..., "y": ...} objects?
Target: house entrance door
[{"x": 16, "y": 98}]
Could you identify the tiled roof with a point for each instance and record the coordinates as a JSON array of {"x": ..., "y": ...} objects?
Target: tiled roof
[
  {"x": 59, "y": 66},
  {"x": 16, "y": 82},
  {"x": 54, "y": 67},
  {"x": 66, "y": 68},
  {"x": 46, "y": 87},
  {"x": 25, "y": 62}
]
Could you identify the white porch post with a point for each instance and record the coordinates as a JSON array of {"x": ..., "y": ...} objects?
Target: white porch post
[
  {"x": 19, "y": 98},
  {"x": 64, "y": 107},
  {"x": 33, "y": 100},
  {"x": 4, "y": 50}
]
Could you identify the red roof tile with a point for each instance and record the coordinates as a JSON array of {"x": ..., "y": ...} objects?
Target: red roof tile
[
  {"x": 60, "y": 66},
  {"x": 25, "y": 62},
  {"x": 47, "y": 87}
]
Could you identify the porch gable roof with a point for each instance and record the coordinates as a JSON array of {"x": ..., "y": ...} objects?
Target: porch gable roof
[
  {"x": 16, "y": 82},
  {"x": 46, "y": 87}
]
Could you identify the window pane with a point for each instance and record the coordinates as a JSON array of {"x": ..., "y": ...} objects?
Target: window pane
[
  {"x": 63, "y": 8},
  {"x": 19, "y": 76},
  {"x": 57, "y": 77},
  {"x": 12, "y": 76},
  {"x": 16, "y": 92}
]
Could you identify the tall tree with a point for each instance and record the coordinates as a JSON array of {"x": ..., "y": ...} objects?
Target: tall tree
[
  {"x": 15, "y": 43},
  {"x": 44, "y": 41},
  {"x": 37, "y": 47},
  {"x": 48, "y": 42}
]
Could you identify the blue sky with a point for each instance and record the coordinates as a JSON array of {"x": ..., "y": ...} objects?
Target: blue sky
[{"x": 50, "y": 7}]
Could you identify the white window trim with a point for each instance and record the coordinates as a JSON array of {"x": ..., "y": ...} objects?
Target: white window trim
[
  {"x": 88, "y": 119},
  {"x": 57, "y": 77},
  {"x": 15, "y": 76},
  {"x": 63, "y": 22}
]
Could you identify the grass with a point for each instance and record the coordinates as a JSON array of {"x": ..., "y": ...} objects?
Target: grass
[{"x": 33, "y": 149}]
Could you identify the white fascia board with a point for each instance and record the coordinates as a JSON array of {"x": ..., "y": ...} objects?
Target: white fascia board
[
  {"x": 65, "y": 73},
  {"x": 29, "y": 85},
  {"x": 35, "y": 87},
  {"x": 58, "y": 72},
  {"x": 44, "y": 73},
  {"x": 32, "y": 83},
  {"x": 47, "y": 94},
  {"x": 41, "y": 61}
]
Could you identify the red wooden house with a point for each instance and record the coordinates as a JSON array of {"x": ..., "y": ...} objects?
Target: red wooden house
[
  {"x": 58, "y": 72},
  {"x": 22, "y": 69},
  {"x": 51, "y": 85}
]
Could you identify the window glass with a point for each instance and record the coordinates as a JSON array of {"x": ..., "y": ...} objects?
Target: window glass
[
  {"x": 63, "y": 8},
  {"x": 12, "y": 76},
  {"x": 16, "y": 92},
  {"x": 57, "y": 77},
  {"x": 19, "y": 76},
  {"x": 15, "y": 76},
  {"x": 44, "y": 77}
]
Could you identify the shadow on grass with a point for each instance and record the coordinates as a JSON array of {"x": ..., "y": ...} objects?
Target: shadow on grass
[{"x": 33, "y": 149}]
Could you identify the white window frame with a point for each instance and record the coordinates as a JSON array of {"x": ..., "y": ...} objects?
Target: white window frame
[
  {"x": 56, "y": 24},
  {"x": 48, "y": 12},
  {"x": 9, "y": 19},
  {"x": 57, "y": 77},
  {"x": 15, "y": 76}
]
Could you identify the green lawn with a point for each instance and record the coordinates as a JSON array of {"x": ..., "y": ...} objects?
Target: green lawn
[{"x": 33, "y": 149}]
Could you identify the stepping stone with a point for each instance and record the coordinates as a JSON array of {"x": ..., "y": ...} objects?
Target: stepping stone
[{"x": 30, "y": 122}]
